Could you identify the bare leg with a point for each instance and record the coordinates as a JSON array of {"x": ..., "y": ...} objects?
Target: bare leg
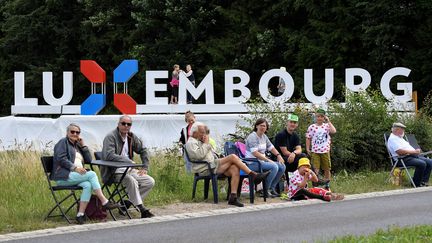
[
  {"x": 327, "y": 174},
  {"x": 82, "y": 207},
  {"x": 234, "y": 173},
  {"x": 226, "y": 162},
  {"x": 101, "y": 196}
]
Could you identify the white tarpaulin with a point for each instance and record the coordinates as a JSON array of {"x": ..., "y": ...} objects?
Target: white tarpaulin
[{"x": 157, "y": 131}]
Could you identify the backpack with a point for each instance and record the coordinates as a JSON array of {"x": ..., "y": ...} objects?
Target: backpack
[{"x": 94, "y": 210}]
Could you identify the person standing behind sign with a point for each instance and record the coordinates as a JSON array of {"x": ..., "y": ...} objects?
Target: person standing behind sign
[
  {"x": 174, "y": 84},
  {"x": 189, "y": 74},
  {"x": 318, "y": 142},
  {"x": 281, "y": 85},
  {"x": 185, "y": 132}
]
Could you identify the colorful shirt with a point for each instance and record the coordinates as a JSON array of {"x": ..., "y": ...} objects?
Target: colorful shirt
[
  {"x": 320, "y": 138},
  {"x": 293, "y": 183}
]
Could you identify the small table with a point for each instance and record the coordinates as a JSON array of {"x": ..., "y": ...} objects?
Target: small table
[{"x": 116, "y": 191}]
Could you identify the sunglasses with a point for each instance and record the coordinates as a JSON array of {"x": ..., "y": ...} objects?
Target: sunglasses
[
  {"x": 75, "y": 132},
  {"x": 126, "y": 124}
]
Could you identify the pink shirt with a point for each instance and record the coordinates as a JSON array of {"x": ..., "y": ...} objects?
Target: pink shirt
[
  {"x": 320, "y": 138},
  {"x": 293, "y": 183}
]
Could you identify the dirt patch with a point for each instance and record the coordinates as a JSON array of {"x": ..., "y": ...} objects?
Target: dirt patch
[{"x": 182, "y": 207}]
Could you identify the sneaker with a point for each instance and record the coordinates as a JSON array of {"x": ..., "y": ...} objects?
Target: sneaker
[
  {"x": 424, "y": 184},
  {"x": 110, "y": 205},
  {"x": 259, "y": 177},
  {"x": 146, "y": 214},
  {"x": 123, "y": 208},
  {"x": 80, "y": 219},
  {"x": 273, "y": 193},
  {"x": 269, "y": 194},
  {"x": 234, "y": 201}
]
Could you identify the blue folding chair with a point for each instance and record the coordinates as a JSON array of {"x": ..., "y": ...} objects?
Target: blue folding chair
[{"x": 231, "y": 148}]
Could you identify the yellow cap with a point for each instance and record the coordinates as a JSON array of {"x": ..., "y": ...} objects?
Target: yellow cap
[{"x": 303, "y": 161}]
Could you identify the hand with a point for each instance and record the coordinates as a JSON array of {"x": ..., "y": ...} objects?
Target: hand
[
  {"x": 80, "y": 170},
  {"x": 306, "y": 176},
  {"x": 81, "y": 142},
  {"x": 280, "y": 159},
  {"x": 291, "y": 157},
  {"x": 205, "y": 139},
  {"x": 417, "y": 151},
  {"x": 142, "y": 172}
]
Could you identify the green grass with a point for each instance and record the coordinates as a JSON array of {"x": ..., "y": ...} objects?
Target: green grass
[
  {"x": 421, "y": 233},
  {"x": 25, "y": 198}
]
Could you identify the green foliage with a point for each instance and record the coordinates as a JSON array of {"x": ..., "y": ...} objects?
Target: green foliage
[
  {"x": 253, "y": 36},
  {"x": 172, "y": 181},
  {"x": 276, "y": 115},
  {"x": 28, "y": 198},
  {"x": 360, "y": 123},
  {"x": 418, "y": 233}
]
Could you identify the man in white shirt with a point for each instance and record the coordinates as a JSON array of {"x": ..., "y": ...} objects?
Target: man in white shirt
[{"x": 400, "y": 147}]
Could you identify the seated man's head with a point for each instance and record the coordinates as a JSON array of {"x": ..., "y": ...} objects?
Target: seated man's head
[
  {"x": 292, "y": 122},
  {"x": 189, "y": 117},
  {"x": 124, "y": 125},
  {"x": 198, "y": 130},
  {"x": 303, "y": 166},
  {"x": 398, "y": 129}
]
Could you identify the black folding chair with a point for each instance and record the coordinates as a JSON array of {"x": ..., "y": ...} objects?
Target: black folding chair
[
  {"x": 231, "y": 148},
  {"x": 207, "y": 178},
  {"x": 122, "y": 195},
  {"x": 397, "y": 161},
  {"x": 413, "y": 142},
  {"x": 47, "y": 163}
]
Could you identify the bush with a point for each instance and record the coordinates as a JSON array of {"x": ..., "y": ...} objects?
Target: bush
[
  {"x": 360, "y": 123},
  {"x": 276, "y": 115}
]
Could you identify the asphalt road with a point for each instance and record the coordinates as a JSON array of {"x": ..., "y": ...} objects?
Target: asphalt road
[{"x": 294, "y": 224}]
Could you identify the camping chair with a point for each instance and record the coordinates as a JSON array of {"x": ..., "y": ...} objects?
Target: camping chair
[
  {"x": 47, "y": 163},
  {"x": 121, "y": 192},
  {"x": 207, "y": 178},
  {"x": 232, "y": 148},
  {"x": 398, "y": 161},
  {"x": 413, "y": 142}
]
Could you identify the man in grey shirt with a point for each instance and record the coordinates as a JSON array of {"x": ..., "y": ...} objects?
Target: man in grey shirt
[{"x": 120, "y": 145}]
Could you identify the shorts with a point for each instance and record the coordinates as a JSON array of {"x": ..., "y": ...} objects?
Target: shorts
[
  {"x": 214, "y": 165},
  {"x": 321, "y": 161}
]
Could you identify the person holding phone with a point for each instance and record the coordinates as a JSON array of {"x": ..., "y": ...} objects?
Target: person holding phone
[
  {"x": 318, "y": 142},
  {"x": 70, "y": 154}
]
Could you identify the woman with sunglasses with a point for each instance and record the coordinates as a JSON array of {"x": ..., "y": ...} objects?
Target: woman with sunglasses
[{"x": 70, "y": 155}]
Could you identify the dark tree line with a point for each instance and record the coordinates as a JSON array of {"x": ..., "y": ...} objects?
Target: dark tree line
[{"x": 252, "y": 35}]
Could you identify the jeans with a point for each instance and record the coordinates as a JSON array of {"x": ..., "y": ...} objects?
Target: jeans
[
  {"x": 422, "y": 166},
  {"x": 276, "y": 171},
  {"x": 88, "y": 182}
]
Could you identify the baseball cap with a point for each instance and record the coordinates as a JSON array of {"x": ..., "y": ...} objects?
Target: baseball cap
[
  {"x": 398, "y": 124},
  {"x": 292, "y": 117},
  {"x": 321, "y": 111}
]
